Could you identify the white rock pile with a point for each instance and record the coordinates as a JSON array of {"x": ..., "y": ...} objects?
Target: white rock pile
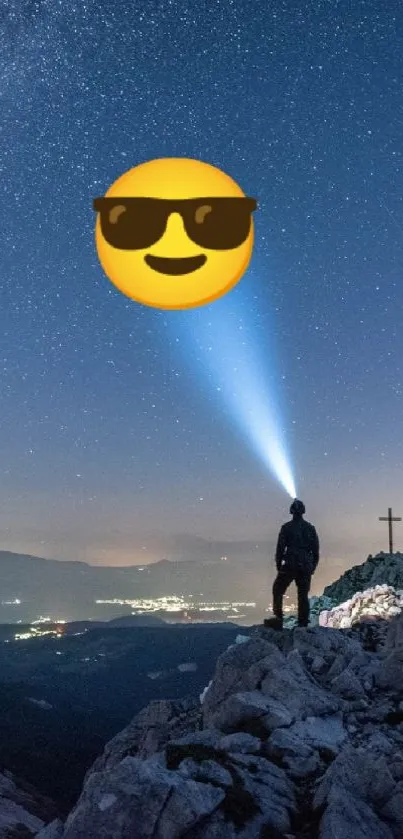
[{"x": 380, "y": 602}]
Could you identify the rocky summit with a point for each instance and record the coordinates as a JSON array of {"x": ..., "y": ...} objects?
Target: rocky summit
[
  {"x": 299, "y": 735},
  {"x": 377, "y": 570}
]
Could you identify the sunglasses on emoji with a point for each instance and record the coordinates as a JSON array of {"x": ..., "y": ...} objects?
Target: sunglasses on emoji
[{"x": 136, "y": 223}]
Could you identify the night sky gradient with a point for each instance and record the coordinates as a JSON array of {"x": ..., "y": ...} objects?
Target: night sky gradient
[{"x": 115, "y": 441}]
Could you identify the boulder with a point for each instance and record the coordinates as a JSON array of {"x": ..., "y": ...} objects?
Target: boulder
[
  {"x": 300, "y": 694},
  {"x": 156, "y": 724},
  {"x": 248, "y": 711},
  {"x": 299, "y": 758},
  {"x": 136, "y": 798},
  {"x": 208, "y": 771},
  {"x": 345, "y": 816},
  {"x": 360, "y": 773},
  {"x": 321, "y": 733},
  {"x": 347, "y": 685},
  {"x": 240, "y": 742},
  {"x": 231, "y": 675}
]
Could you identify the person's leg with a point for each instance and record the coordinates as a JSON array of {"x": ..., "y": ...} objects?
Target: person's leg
[
  {"x": 280, "y": 586},
  {"x": 303, "y": 583}
]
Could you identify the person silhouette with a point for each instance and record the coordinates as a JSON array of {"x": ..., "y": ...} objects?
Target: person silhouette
[{"x": 297, "y": 557}]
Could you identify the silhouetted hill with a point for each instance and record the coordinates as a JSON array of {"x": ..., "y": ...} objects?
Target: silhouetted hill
[
  {"x": 70, "y": 590},
  {"x": 136, "y": 620}
]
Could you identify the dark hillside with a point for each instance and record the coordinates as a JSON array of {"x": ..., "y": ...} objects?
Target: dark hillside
[{"x": 95, "y": 683}]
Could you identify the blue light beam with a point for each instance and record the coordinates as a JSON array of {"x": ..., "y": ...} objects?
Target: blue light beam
[{"x": 238, "y": 373}]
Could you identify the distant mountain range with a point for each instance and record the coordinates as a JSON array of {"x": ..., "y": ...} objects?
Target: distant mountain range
[{"x": 69, "y": 590}]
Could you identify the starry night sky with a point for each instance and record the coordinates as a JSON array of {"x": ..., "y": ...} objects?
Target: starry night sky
[{"x": 114, "y": 441}]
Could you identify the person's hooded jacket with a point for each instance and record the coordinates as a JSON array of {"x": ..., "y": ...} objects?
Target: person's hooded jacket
[{"x": 298, "y": 546}]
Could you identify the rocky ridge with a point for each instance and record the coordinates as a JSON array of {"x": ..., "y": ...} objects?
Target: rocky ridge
[
  {"x": 376, "y": 570},
  {"x": 299, "y": 735}
]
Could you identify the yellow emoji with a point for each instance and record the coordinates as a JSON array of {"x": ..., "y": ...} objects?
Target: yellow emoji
[{"x": 174, "y": 233}]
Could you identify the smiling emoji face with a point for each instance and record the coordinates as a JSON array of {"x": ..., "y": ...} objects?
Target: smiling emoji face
[{"x": 174, "y": 233}]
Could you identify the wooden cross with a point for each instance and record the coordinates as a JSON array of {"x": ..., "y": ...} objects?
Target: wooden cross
[{"x": 389, "y": 518}]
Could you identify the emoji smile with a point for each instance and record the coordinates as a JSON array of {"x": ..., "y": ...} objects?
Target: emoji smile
[{"x": 165, "y": 265}]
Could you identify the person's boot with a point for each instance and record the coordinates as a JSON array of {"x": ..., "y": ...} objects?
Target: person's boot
[{"x": 273, "y": 623}]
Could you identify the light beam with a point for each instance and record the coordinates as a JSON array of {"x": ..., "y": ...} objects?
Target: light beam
[{"x": 228, "y": 348}]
